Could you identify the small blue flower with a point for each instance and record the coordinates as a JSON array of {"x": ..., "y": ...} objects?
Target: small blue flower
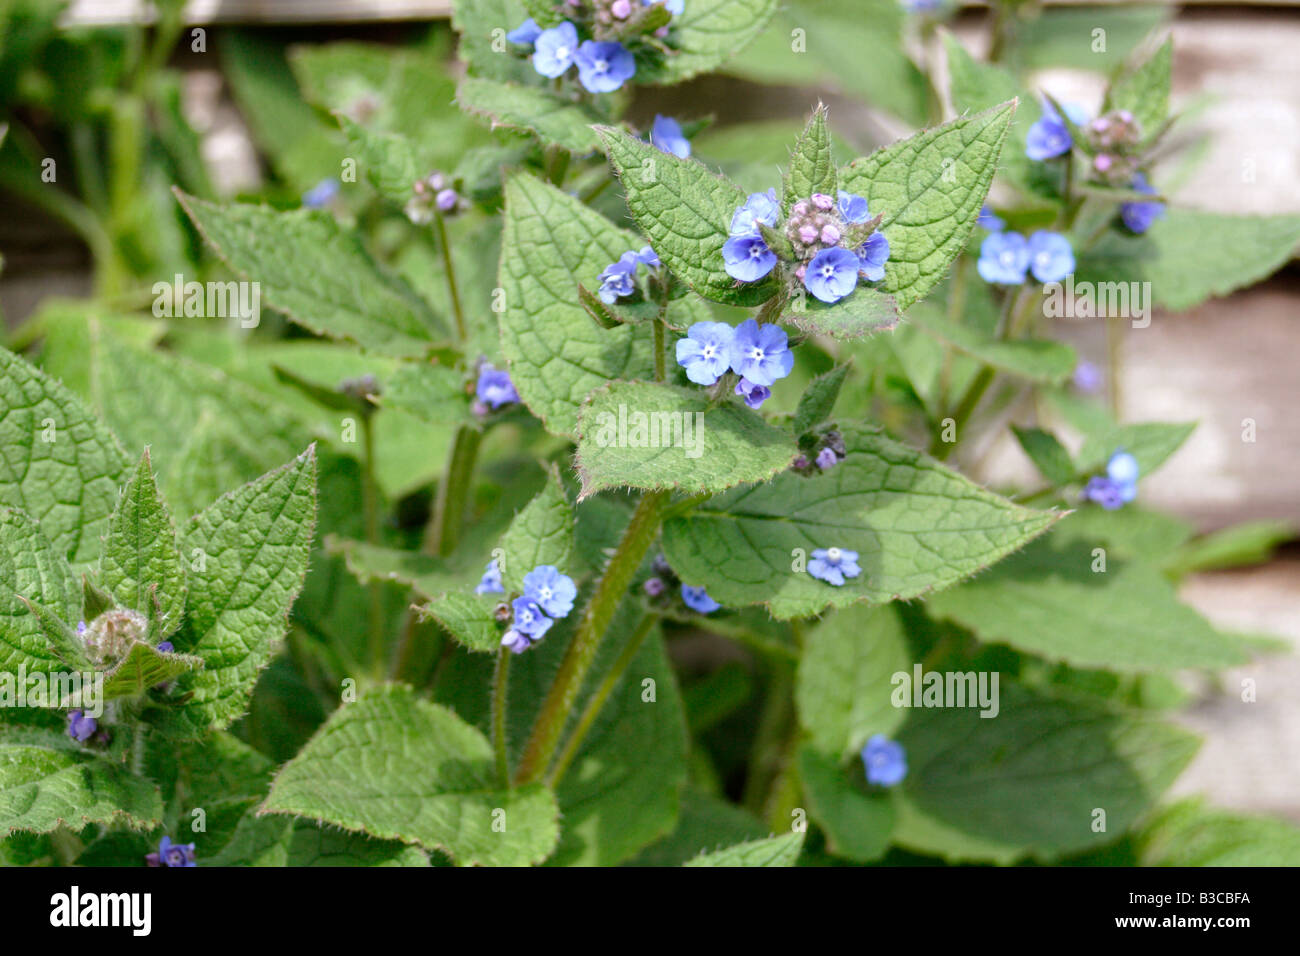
[
  {"x": 872, "y": 256},
  {"x": 853, "y": 208},
  {"x": 516, "y": 641},
  {"x": 761, "y": 353},
  {"x": 551, "y": 589},
  {"x": 758, "y": 207},
  {"x": 989, "y": 220},
  {"x": 1087, "y": 377},
  {"x": 172, "y": 854},
  {"x": 675, "y": 7},
  {"x": 754, "y": 395},
  {"x": 81, "y": 629},
  {"x": 491, "y": 580},
  {"x": 666, "y": 134},
  {"x": 1049, "y": 137},
  {"x": 747, "y": 258},
  {"x": 529, "y": 618},
  {"x": 827, "y": 459},
  {"x": 494, "y": 387},
  {"x": 320, "y": 195},
  {"x": 1050, "y": 257},
  {"x": 80, "y": 727},
  {"x": 1122, "y": 468},
  {"x": 526, "y": 33},
  {"x": 604, "y": 67},
  {"x": 705, "y": 353},
  {"x": 885, "y": 761},
  {"x": 618, "y": 279},
  {"x": 697, "y": 600},
  {"x": 832, "y": 274},
  {"x": 833, "y": 565},
  {"x": 1105, "y": 492},
  {"x": 555, "y": 49},
  {"x": 165, "y": 647},
  {"x": 1139, "y": 216},
  {"x": 1004, "y": 258},
  {"x": 648, "y": 257}
]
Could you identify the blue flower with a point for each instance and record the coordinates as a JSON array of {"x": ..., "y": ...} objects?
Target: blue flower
[
  {"x": 705, "y": 353},
  {"x": 697, "y": 600},
  {"x": 1118, "y": 486},
  {"x": 529, "y": 618},
  {"x": 885, "y": 761},
  {"x": 754, "y": 395},
  {"x": 747, "y": 258},
  {"x": 165, "y": 647},
  {"x": 526, "y": 33},
  {"x": 758, "y": 207},
  {"x": 555, "y": 49},
  {"x": 494, "y": 387},
  {"x": 516, "y": 641},
  {"x": 604, "y": 67},
  {"x": 491, "y": 580},
  {"x": 618, "y": 279},
  {"x": 1107, "y": 493},
  {"x": 80, "y": 727},
  {"x": 872, "y": 256},
  {"x": 989, "y": 220},
  {"x": 666, "y": 134},
  {"x": 832, "y": 274},
  {"x": 1049, "y": 136},
  {"x": 550, "y": 589},
  {"x": 1004, "y": 258},
  {"x": 321, "y": 194},
  {"x": 648, "y": 257},
  {"x": 853, "y": 208},
  {"x": 827, "y": 459},
  {"x": 1139, "y": 216},
  {"x": 761, "y": 353},
  {"x": 1122, "y": 468},
  {"x": 1050, "y": 257},
  {"x": 172, "y": 854},
  {"x": 1087, "y": 377},
  {"x": 833, "y": 565}
]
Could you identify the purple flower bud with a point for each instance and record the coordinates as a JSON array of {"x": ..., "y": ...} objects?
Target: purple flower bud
[
  {"x": 516, "y": 641},
  {"x": 621, "y": 9},
  {"x": 80, "y": 727},
  {"x": 800, "y": 463},
  {"x": 830, "y": 235},
  {"x": 827, "y": 459},
  {"x": 654, "y": 586},
  {"x": 754, "y": 394},
  {"x": 447, "y": 199},
  {"x": 165, "y": 647},
  {"x": 822, "y": 201}
]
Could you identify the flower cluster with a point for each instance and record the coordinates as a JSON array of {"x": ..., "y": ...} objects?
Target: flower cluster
[
  {"x": 828, "y": 243},
  {"x": 172, "y": 854},
  {"x": 759, "y": 354},
  {"x": 433, "y": 192},
  {"x": 1118, "y": 486},
  {"x": 885, "y": 761},
  {"x": 1007, "y": 257},
  {"x": 601, "y": 43},
  {"x": 618, "y": 280},
  {"x": 548, "y": 594},
  {"x": 664, "y": 581},
  {"x": 820, "y": 452},
  {"x": 493, "y": 389}
]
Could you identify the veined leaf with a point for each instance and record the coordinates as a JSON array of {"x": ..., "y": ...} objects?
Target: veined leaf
[
  {"x": 540, "y": 534},
  {"x": 534, "y": 110},
  {"x": 31, "y": 569},
  {"x": 774, "y": 851}
]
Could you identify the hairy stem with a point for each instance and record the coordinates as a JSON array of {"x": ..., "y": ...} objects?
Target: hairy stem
[
  {"x": 500, "y": 682},
  {"x": 610, "y": 589},
  {"x": 453, "y": 491},
  {"x": 452, "y": 290}
]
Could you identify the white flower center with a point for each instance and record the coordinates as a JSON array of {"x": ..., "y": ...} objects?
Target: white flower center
[
  {"x": 545, "y": 593},
  {"x": 756, "y": 354},
  {"x": 601, "y": 66},
  {"x": 1044, "y": 259},
  {"x": 833, "y": 555},
  {"x": 1007, "y": 258},
  {"x": 755, "y": 251},
  {"x": 828, "y": 271},
  {"x": 561, "y": 52},
  {"x": 708, "y": 351}
]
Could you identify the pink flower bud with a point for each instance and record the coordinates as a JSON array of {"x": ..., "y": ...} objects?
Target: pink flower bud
[
  {"x": 830, "y": 235},
  {"x": 822, "y": 201},
  {"x": 621, "y": 9},
  {"x": 808, "y": 233}
]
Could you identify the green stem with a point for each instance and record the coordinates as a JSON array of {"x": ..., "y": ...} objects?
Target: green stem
[
  {"x": 440, "y": 226},
  {"x": 556, "y": 161},
  {"x": 597, "y": 701},
  {"x": 500, "y": 682},
  {"x": 774, "y": 728},
  {"x": 610, "y": 590},
  {"x": 453, "y": 491},
  {"x": 661, "y": 372},
  {"x": 370, "y": 518}
]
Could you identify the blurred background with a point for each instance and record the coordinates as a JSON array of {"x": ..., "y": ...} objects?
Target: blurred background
[{"x": 1236, "y": 78}]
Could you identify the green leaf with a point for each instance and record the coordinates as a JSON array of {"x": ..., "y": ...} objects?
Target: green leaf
[
  {"x": 432, "y": 393},
  {"x": 468, "y": 618},
  {"x": 1251, "y": 542},
  {"x": 654, "y": 437},
  {"x": 396, "y": 767},
  {"x": 866, "y": 311},
  {"x": 386, "y": 159},
  {"x": 818, "y": 399},
  {"x": 774, "y": 851},
  {"x": 1192, "y": 834},
  {"x": 812, "y": 168},
  {"x": 248, "y": 556},
  {"x": 144, "y": 667},
  {"x": 706, "y": 823},
  {"x": 31, "y": 569},
  {"x": 916, "y": 526},
  {"x": 1048, "y": 455},
  {"x": 930, "y": 189},
  {"x": 858, "y": 823},
  {"x": 1144, "y": 91},
  {"x": 318, "y": 274},
  {"x": 557, "y": 355},
  {"x": 550, "y": 119},
  {"x": 1037, "y": 360},
  {"x": 1048, "y": 600},
  {"x": 1029, "y": 781},
  {"x": 61, "y": 465},
  {"x": 47, "y": 780},
  {"x": 1151, "y": 443},
  {"x": 686, "y": 211},
  {"x": 540, "y": 534},
  {"x": 705, "y": 35},
  {"x": 140, "y": 564},
  {"x": 845, "y": 679},
  {"x": 480, "y": 24},
  {"x": 324, "y": 846}
]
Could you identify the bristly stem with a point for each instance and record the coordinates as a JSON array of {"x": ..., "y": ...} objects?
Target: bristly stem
[
  {"x": 448, "y": 510},
  {"x": 610, "y": 590},
  {"x": 500, "y": 684},
  {"x": 597, "y": 701},
  {"x": 457, "y": 312}
]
